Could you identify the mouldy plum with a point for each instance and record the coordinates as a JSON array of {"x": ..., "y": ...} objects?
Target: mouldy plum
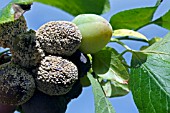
[
  {"x": 59, "y": 37},
  {"x": 43, "y": 103},
  {"x": 55, "y": 75},
  {"x": 7, "y": 108},
  {"x": 8, "y": 31},
  {"x": 75, "y": 91},
  {"x": 25, "y": 51},
  {"x": 82, "y": 62},
  {"x": 5, "y": 58},
  {"x": 16, "y": 85},
  {"x": 96, "y": 32}
]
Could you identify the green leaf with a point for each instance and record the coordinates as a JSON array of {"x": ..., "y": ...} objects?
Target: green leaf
[
  {"x": 150, "y": 83},
  {"x": 76, "y": 7},
  {"x": 107, "y": 65},
  {"x": 111, "y": 70},
  {"x": 164, "y": 21},
  {"x": 14, "y": 10},
  {"x": 127, "y": 32},
  {"x": 132, "y": 19},
  {"x": 138, "y": 58},
  {"x": 24, "y": 2},
  {"x": 102, "y": 104},
  {"x": 114, "y": 89},
  {"x": 158, "y": 2},
  {"x": 106, "y": 6}
]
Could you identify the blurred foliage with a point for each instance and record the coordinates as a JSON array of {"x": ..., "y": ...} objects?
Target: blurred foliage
[{"x": 76, "y": 7}]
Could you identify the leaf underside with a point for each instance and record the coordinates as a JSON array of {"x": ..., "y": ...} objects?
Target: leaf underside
[
  {"x": 130, "y": 33},
  {"x": 102, "y": 104},
  {"x": 113, "y": 74},
  {"x": 150, "y": 83}
]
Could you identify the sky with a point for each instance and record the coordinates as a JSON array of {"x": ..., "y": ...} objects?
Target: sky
[{"x": 41, "y": 14}]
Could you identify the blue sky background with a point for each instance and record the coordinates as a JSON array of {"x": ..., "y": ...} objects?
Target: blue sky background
[{"x": 41, "y": 14}]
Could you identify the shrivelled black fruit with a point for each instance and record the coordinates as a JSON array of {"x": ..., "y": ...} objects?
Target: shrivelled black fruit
[
  {"x": 8, "y": 31},
  {"x": 7, "y": 108},
  {"x": 55, "y": 75},
  {"x": 25, "y": 51},
  {"x": 82, "y": 62},
  {"x": 59, "y": 37},
  {"x": 16, "y": 84},
  {"x": 43, "y": 103},
  {"x": 4, "y": 58},
  {"x": 75, "y": 91}
]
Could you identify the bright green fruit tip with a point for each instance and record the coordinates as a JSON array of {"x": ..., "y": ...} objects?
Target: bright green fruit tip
[{"x": 96, "y": 32}]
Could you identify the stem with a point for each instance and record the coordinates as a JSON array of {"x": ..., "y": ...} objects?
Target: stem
[
  {"x": 121, "y": 43},
  {"x": 158, "y": 2},
  {"x": 121, "y": 54},
  {"x": 128, "y": 49},
  {"x": 126, "y": 65},
  {"x": 101, "y": 87}
]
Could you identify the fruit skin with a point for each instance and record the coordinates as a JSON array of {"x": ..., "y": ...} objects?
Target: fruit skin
[
  {"x": 8, "y": 31},
  {"x": 43, "y": 103},
  {"x": 7, "y": 108},
  {"x": 16, "y": 84},
  {"x": 56, "y": 75},
  {"x": 4, "y": 58},
  {"x": 74, "y": 92},
  {"x": 95, "y": 30},
  {"x": 59, "y": 37},
  {"x": 25, "y": 51},
  {"x": 82, "y": 62}
]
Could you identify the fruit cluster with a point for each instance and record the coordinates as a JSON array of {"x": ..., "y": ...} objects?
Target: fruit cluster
[
  {"x": 44, "y": 71},
  {"x": 47, "y": 65}
]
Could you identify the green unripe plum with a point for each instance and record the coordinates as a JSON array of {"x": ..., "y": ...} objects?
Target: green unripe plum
[{"x": 96, "y": 32}]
